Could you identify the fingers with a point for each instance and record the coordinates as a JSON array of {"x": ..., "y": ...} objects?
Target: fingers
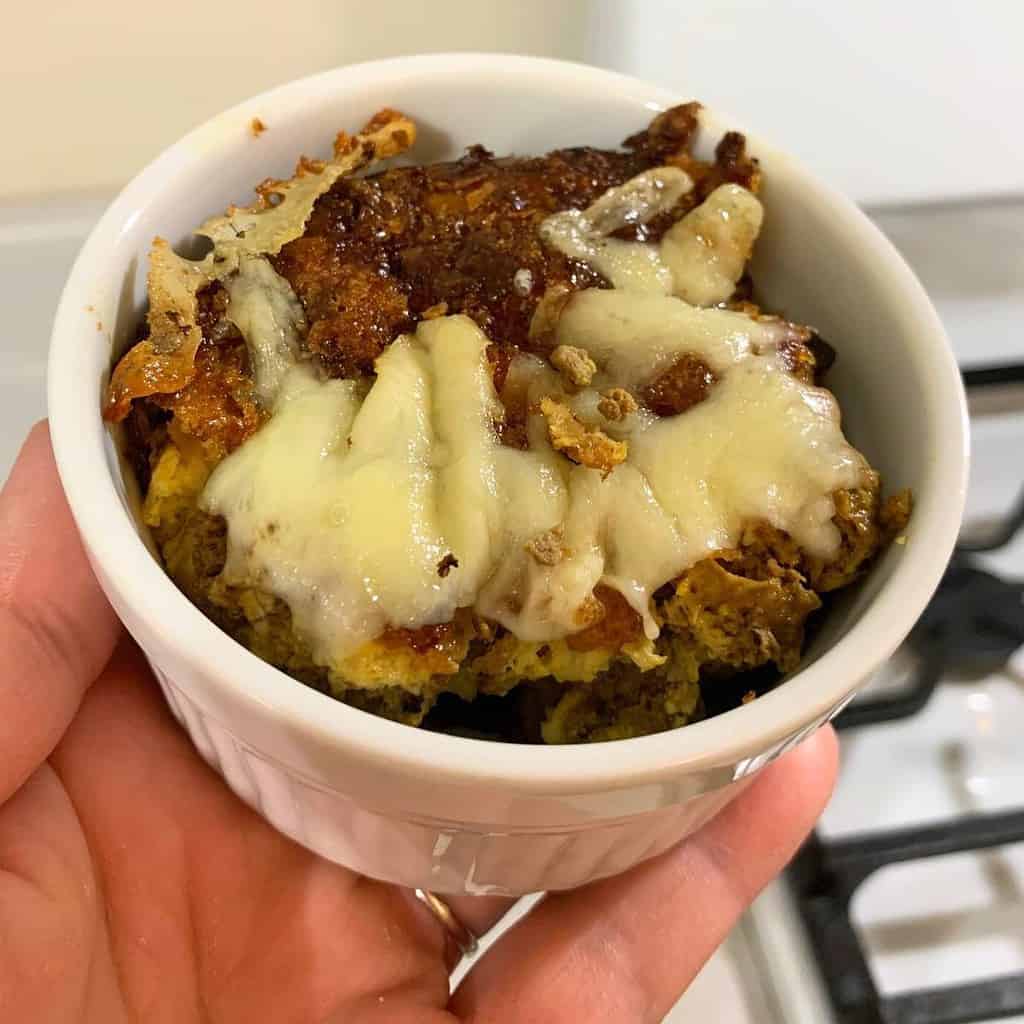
[
  {"x": 623, "y": 950},
  {"x": 56, "y": 628}
]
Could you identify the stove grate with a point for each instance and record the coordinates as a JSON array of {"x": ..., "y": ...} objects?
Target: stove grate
[
  {"x": 824, "y": 878},
  {"x": 974, "y": 623}
]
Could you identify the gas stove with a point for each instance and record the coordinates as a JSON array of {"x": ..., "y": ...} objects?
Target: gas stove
[
  {"x": 972, "y": 631},
  {"x": 907, "y": 905}
]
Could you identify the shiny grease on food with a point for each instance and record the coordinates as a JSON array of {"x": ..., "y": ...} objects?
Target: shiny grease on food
[{"x": 500, "y": 446}]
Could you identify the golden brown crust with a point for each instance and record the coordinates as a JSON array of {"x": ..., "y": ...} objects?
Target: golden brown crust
[
  {"x": 369, "y": 256},
  {"x": 617, "y": 625},
  {"x": 547, "y": 548},
  {"x": 574, "y": 364},
  {"x": 616, "y": 404},
  {"x": 544, "y": 322},
  {"x": 680, "y": 387},
  {"x": 740, "y": 622},
  {"x": 163, "y": 362},
  {"x": 219, "y": 409},
  {"x": 586, "y": 446},
  {"x": 355, "y": 312}
]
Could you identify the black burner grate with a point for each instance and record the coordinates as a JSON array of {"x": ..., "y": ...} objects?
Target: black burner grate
[{"x": 974, "y": 623}]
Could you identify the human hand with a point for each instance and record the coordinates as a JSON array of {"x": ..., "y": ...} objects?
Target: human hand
[{"x": 134, "y": 886}]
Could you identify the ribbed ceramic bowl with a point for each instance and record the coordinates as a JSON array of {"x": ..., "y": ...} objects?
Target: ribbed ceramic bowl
[{"x": 455, "y": 814}]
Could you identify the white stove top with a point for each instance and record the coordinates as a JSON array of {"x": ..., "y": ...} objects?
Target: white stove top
[
  {"x": 925, "y": 923},
  {"x": 941, "y": 922}
]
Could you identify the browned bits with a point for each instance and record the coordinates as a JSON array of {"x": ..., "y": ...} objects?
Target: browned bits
[
  {"x": 464, "y": 233},
  {"x": 355, "y": 312},
  {"x": 733, "y": 163},
  {"x": 446, "y": 565},
  {"x": 616, "y": 404},
  {"x": 682, "y": 386},
  {"x": 512, "y": 430},
  {"x": 218, "y": 408},
  {"x": 425, "y": 638},
  {"x": 434, "y": 312},
  {"x": 824, "y": 355},
  {"x": 798, "y": 359},
  {"x": 618, "y": 623},
  {"x": 894, "y": 514},
  {"x": 670, "y": 133},
  {"x": 500, "y": 359},
  {"x": 256, "y": 127},
  {"x": 586, "y": 446},
  {"x": 574, "y": 364},
  {"x": 545, "y": 317},
  {"x": 401, "y": 134},
  {"x": 547, "y": 548}
]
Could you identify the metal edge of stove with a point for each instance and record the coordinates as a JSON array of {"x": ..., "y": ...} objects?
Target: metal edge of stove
[
  {"x": 782, "y": 975},
  {"x": 810, "y": 906}
]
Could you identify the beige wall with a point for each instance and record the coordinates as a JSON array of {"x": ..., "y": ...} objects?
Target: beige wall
[{"x": 91, "y": 90}]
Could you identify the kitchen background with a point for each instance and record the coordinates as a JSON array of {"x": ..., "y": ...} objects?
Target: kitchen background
[{"x": 914, "y": 109}]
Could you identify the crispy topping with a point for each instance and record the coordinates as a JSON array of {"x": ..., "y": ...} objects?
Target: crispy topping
[
  {"x": 421, "y": 639},
  {"x": 586, "y": 446},
  {"x": 547, "y": 548},
  {"x": 589, "y": 614},
  {"x": 615, "y": 625},
  {"x": 798, "y": 359},
  {"x": 616, "y": 404},
  {"x": 433, "y": 312},
  {"x": 685, "y": 383},
  {"x": 446, "y": 565},
  {"x": 670, "y": 134},
  {"x": 574, "y": 364},
  {"x": 218, "y": 410},
  {"x": 283, "y": 207},
  {"x": 732, "y": 164},
  {"x": 164, "y": 362},
  {"x": 355, "y": 313},
  {"x": 545, "y": 316}
]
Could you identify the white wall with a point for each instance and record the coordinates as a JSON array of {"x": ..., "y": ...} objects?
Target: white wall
[
  {"x": 92, "y": 89},
  {"x": 892, "y": 99}
]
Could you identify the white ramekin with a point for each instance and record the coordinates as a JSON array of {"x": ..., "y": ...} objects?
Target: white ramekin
[{"x": 455, "y": 814}]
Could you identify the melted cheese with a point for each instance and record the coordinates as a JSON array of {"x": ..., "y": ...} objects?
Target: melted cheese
[
  {"x": 633, "y": 337},
  {"x": 707, "y": 250},
  {"x": 344, "y": 505},
  {"x": 583, "y": 234},
  {"x": 349, "y": 500},
  {"x": 262, "y": 305},
  {"x": 700, "y": 258}
]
